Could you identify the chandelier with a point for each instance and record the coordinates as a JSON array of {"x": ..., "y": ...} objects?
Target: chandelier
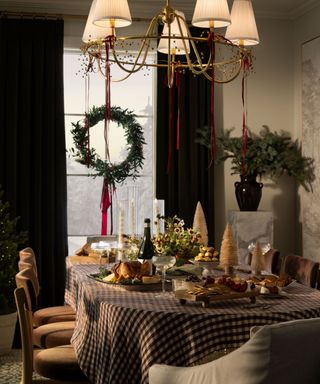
[{"x": 219, "y": 58}]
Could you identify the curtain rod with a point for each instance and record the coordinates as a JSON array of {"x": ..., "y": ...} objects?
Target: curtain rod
[{"x": 34, "y": 15}]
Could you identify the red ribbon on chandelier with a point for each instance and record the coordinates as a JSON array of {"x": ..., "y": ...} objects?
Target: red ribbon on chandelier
[
  {"x": 213, "y": 140},
  {"x": 246, "y": 66},
  {"x": 106, "y": 195}
]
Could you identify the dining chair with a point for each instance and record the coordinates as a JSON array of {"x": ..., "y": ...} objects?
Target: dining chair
[
  {"x": 271, "y": 259},
  {"x": 47, "y": 335},
  {"x": 58, "y": 363},
  {"x": 27, "y": 255},
  {"x": 299, "y": 268},
  {"x": 48, "y": 314},
  {"x": 278, "y": 353}
]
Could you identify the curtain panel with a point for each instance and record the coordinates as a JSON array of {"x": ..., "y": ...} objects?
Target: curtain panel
[
  {"x": 188, "y": 178},
  {"x": 32, "y": 154}
]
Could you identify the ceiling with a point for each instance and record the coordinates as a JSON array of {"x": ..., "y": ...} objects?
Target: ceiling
[{"x": 283, "y": 9}]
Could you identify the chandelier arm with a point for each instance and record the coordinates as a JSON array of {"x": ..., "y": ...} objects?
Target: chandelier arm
[
  {"x": 225, "y": 81},
  {"x": 145, "y": 43},
  {"x": 195, "y": 50}
]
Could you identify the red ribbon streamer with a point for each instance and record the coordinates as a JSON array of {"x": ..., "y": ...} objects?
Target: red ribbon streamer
[
  {"x": 104, "y": 205},
  {"x": 246, "y": 65},
  {"x": 109, "y": 41},
  {"x": 169, "y": 164},
  {"x": 213, "y": 141},
  {"x": 178, "y": 84}
]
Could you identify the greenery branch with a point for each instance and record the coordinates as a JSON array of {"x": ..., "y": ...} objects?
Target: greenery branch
[{"x": 269, "y": 154}]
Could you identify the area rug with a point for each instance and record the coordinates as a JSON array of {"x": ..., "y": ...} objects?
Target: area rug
[{"x": 11, "y": 368}]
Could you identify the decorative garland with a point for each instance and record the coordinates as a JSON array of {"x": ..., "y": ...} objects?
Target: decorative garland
[{"x": 112, "y": 173}]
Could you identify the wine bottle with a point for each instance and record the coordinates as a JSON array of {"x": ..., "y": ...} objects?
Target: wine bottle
[{"x": 146, "y": 250}]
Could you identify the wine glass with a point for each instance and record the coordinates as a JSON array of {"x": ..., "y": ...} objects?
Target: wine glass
[{"x": 162, "y": 263}]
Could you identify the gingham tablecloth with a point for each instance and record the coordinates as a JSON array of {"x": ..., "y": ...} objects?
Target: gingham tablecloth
[{"x": 120, "y": 334}]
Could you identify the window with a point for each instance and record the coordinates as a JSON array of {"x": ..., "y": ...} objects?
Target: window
[{"x": 84, "y": 193}]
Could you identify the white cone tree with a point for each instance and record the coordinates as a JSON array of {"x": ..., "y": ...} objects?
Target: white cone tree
[{"x": 200, "y": 224}]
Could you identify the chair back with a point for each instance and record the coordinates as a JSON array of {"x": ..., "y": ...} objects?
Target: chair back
[
  {"x": 27, "y": 255},
  {"x": 26, "y": 279},
  {"x": 25, "y": 321},
  {"x": 305, "y": 271},
  {"x": 32, "y": 275},
  {"x": 266, "y": 358}
]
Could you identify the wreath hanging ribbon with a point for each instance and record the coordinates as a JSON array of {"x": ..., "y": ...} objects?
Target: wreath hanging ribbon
[{"x": 112, "y": 173}]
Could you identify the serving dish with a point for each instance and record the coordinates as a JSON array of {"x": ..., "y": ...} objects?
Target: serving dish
[
  {"x": 133, "y": 286},
  {"x": 207, "y": 295}
]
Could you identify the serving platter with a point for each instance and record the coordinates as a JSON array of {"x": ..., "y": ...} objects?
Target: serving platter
[
  {"x": 280, "y": 295},
  {"x": 137, "y": 287},
  {"x": 206, "y": 298}
]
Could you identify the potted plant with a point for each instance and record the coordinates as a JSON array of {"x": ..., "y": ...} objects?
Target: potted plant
[
  {"x": 9, "y": 242},
  {"x": 267, "y": 154}
]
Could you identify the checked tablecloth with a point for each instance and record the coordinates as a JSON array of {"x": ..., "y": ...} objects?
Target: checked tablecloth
[{"x": 120, "y": 334}]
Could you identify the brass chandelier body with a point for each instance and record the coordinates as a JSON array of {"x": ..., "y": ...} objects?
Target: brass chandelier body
[{"x": 212, "y": 55}]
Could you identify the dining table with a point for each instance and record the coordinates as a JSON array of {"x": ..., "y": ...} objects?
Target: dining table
[{"x": 120, "y": 333}]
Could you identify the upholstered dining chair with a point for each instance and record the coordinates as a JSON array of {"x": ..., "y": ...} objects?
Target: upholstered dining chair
[
  {"x": 277, "y": 353},
  {"x": 47, "y": 335},
  {"x": 49, "y": 314},
  {"x": 271, "y": 259},
  {"x": 305, "y": 271},
  {"x": 59, "y": 363},
  {"x": 27, "y": 255}
]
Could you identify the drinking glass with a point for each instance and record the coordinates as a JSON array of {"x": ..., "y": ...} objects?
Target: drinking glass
[{"x": 162, "y": 263}]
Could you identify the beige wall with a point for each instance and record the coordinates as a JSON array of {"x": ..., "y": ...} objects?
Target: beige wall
[
  {"x": 270, "y": 102},
  {"x": 274, "y": 99}
]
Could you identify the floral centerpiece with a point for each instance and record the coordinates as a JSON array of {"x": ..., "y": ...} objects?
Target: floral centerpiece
[{"x": 177, "y": 240}]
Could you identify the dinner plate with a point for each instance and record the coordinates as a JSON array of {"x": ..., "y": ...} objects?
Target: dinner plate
[{"x": 138, "y": 287}]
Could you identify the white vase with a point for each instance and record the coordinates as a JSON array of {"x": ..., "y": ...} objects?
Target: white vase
[{"x": 7, "y": 328}]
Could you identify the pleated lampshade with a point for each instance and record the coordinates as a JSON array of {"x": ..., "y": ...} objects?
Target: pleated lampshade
[
  {"x": 243, "y": 29},
  {"x": 112, "y": 13},
  {"x": 208, "y": 13},
  {"x": 176, "y": 44},
  {"x": 93, "y": 32}
]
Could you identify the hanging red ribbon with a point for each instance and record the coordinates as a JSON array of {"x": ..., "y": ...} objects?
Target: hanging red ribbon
[
  {"x": 104, "y": 205},
  {"x": 213, "y": 141},
  {"x": 169, "y": 164},
  {"x": 106, "y": 198},
  {"x": 178, "y": 85},
  {"x": 109, "y": 41},
  {"x": 246, "y": 66}
]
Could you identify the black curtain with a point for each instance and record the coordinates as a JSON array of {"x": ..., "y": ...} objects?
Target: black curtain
[
  {"x": 32, "y": 140},
  {"x": 190, "y": 178}
]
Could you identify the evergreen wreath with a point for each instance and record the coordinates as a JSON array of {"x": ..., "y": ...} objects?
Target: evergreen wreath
[{"x": 113, "y": 173}]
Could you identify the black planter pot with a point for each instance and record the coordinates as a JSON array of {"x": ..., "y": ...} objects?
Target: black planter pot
[{"x": 248, "y": 193}]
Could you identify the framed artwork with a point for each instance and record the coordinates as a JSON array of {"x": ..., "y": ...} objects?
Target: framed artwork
[{"x": 311, "y": 145}]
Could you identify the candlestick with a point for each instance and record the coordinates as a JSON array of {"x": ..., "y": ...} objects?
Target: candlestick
[
  {"x": 133, "y": 219},
  {"x": 121, "y": 227}
]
